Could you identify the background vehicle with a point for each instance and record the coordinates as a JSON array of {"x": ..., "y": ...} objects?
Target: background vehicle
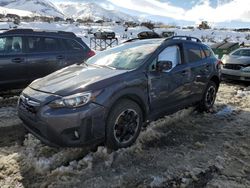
[
  {"x": 115, "y": 92},
  {"x": 236, "y": 65},
  {"x": 148, "y": 35},
  {"x": 26, "y": 55}
]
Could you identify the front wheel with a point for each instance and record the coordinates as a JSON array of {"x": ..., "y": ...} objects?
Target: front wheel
[
  {"x": 209, "y": 97},
  {"x": 123, "y": 124}
]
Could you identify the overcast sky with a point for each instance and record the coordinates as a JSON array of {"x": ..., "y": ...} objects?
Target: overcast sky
[{"x": 217, "y": 12}]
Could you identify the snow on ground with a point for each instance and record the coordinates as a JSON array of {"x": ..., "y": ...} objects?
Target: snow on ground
[
  {"x": 186, "y": 149},
  {"x": 209, "y": 35}
]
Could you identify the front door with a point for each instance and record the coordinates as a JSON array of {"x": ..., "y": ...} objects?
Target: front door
[
  {"x": 168, "y": 90},
  {"x": 13, "y": 64}
]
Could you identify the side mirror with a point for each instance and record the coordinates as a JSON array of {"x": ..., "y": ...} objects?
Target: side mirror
[{"x": 162, "y": 66}]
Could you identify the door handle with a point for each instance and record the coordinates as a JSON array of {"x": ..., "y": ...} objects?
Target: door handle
[
  {"x": 17, "y": 60},
  {"x": 60, "y": 57}
]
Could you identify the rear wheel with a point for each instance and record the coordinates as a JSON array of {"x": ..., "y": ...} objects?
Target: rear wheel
[
  {"x": 124, "y": 124},
  {"x": 209, "y": 97}
]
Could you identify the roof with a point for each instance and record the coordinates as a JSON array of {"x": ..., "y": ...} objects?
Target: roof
[
  {"x": 177, "y": 37},
  {"x": 39, "y": 32}
]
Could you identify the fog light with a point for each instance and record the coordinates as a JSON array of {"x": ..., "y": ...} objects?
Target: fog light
[{"x": 76, "y": 134}]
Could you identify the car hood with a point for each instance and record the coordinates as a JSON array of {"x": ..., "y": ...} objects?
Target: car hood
[
  {"x": 233, "y": 59},
  {"x": 73, "y": 78}
]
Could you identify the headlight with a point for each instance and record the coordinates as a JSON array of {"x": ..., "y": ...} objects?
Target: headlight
[
  {"x": 72, "y": 101},
  {"x": 246, "y": 69}
]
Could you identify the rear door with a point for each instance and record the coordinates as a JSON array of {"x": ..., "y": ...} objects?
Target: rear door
[
  {"x": 75, "y": 52},
  {"x": 169, "y": 90},
  {"x": 44, "y": 55},
  {"x": 200, "y": 69},
  {"x": 13, "y": 65}
]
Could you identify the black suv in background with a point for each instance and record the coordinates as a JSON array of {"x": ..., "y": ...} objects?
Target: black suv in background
[
  {"x": 26, "y": 55},
  {"x": 108, "y": 98}
]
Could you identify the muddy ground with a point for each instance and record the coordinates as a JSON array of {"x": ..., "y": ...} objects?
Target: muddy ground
[{"x": 186, "y": 149}]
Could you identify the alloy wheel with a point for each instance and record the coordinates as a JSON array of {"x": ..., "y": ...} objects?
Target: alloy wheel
[{"x": 126, "y": 126}]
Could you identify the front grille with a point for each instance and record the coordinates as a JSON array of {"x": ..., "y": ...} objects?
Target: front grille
[
  {"x": 28, "y": 105},
  {"x": 234, "y": 66}
]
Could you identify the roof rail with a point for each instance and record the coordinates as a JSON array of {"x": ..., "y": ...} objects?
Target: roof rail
[
  {"x": 131, "y": 40},
  {"x": 66, "y": 33},
  {"x": 183, "y": 37},
  {"x": 19, "y": 31},
  {"x": 23, "y": 31}
]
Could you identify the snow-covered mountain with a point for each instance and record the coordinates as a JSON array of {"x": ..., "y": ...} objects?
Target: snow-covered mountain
[
  {"x": 93, "y": 11},
  {"x": 4, "y": 11},
  {"x": 41, "y": 7},
  {"x": 99, "y": 10}
]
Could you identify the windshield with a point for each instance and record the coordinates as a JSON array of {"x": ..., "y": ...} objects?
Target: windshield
[
  {"x": 242, "y": 52},
  {"x": 126, "y": 57}
]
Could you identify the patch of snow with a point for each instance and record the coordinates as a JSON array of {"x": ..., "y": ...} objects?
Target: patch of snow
[
  {"x": 243, "y": 93},
  {"x": 157, "y": 181},
  {"x": 226, "y": 111}
]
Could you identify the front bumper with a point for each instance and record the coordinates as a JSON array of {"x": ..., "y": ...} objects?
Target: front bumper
[
  {"x": 235, "y": 74},
  {"x": 65, "y": 127}
]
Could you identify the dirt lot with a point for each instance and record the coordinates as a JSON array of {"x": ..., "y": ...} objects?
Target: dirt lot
[{"x": 187, "y": 149}]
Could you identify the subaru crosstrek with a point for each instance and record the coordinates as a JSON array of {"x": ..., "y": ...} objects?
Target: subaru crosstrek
[{"x": 108, "y": 98}]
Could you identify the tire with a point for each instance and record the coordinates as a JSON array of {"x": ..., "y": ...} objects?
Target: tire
[
  {"x": 123, "y": 124},
  {"x": 209, "y": 97}
]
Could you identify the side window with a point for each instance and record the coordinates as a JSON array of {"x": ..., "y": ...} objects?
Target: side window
[
  {"x": 2, "y": 44},
  {"x": 35, "y": 44},
  {"x": 73, "y": 45},
  {"x": 194, "y": 53},
  {"x": 51, "y": 45},
  {"x": 11, "y": 45},
  {"x": 208, "y": 52},
  {"x": 43, "y": 44},
  {"x": 171, "y": 53}
]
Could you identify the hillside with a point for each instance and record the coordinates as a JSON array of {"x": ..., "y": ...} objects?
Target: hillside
[
  {"x": 93, "y": 11},
  {"x": 41, "y": 7},
  {"x": 4, "y": 11}
]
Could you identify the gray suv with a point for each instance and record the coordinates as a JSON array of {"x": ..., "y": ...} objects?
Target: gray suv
[{"x": 108, "y": 98}]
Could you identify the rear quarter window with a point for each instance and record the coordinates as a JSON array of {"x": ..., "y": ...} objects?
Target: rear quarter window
[{"x": 73, "y": 45}]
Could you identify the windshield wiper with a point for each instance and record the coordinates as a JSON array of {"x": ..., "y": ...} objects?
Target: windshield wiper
[
  {"x": 113, "y": 68},
  {"x": 106, "y": 66}
]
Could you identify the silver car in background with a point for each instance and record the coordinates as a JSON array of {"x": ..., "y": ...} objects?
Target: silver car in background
[{"x": 236, "y": 65}]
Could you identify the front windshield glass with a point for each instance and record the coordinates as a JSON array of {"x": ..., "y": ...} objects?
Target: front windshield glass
[
  {"x": 242, "y": 52},
  {"x": 125, "y": 57}
]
